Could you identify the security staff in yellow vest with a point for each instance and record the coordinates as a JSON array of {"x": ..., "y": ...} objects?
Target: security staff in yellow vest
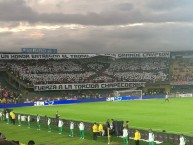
[
  {"x": 100, "y": 129},
  {"x": 95, "y": 131},
  {"x": 12, "y": 114},
  {"x": 137, "y": 137}
]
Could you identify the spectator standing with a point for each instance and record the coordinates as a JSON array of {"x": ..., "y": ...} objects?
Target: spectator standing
[
  {"x": 182, "y": 140},
  {"x": 108, "y": 130},
  {"x": 137, "y": 137},
  {"x": 19, "y": 119},
  {"x": 71, "y": 129},
  {"x": 127, "y": 127},
  {"x": 12, "y": 114},
  {"x": 107, "y": 125},
  {"x": 38, "y": 122},
  {"x": 49, "y": 124},
  {"x": 1, "y": 116},
  {"x": 112, "y": 126},
  {"x": 100, "y": 129},
  {"x": 81, "y": 128},
  {"x": 95, "y": 131},
  {"x": 60, "y": 124},
  {"x": 57, "y": 117},
  {"x": 28, "y": 120},
  {"x": 7, "y": 117},
  {"x": 4, "y": 114},
  {"x": 125, "y": 136},
  {"x": 151, "y": 137}
]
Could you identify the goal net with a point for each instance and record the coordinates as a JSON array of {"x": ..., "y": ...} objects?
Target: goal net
[{"x": 132, "y": 94}]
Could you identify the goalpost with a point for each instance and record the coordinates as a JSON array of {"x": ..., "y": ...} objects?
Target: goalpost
[{"x": 135, "y": 94}]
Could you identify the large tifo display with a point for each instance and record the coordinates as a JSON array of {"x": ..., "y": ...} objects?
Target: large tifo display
[{"x": 88, "y": 86}]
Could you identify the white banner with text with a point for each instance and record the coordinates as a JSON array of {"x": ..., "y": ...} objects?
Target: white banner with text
[
  {"x": 81, "y": 56},
  {"x": 84, "y": 86}
]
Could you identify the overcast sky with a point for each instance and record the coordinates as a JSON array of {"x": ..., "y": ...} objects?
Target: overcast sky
[{"x": 96, "y": 26}]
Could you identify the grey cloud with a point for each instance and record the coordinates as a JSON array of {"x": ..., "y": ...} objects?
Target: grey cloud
[
  {"x": 4, "y": 34},
  {"x": 101, "y": 33},
  {"x": 164, "y": 37},
  {"x": 16, "y": 10},
  {"x": 168, "y": 5},
  {"x": 9, "y": 24},
  {"x": 125, "y": 6}
]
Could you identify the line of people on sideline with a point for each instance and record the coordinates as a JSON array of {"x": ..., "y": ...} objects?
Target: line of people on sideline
[
  {"x": 97, "y": 129},
  {"x": 151, "y": 138}
]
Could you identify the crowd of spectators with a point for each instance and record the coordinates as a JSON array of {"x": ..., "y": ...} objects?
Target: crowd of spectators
[
  {"x": 3, "y": 65},
  {"x": 182, "y": 70},
  {"x": 50, "y": 71},
  {"x": 90, "y": 70},
  {"x": 140, "y": 70},
  {"x": 7, "y": 96}
]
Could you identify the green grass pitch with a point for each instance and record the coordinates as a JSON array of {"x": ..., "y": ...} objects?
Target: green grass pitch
[{"x": 174, "y": 116}]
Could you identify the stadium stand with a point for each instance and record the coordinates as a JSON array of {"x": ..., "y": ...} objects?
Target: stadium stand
[
  {"x": 99, "y": 69},
  {"x": 150, "y": 70},
  {"x": 181, "y": 74},
  {"x": 182, "y": 70}
]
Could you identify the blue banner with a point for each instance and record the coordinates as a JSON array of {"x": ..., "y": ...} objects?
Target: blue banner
[
  {"x": 38, "y": 50},
  {"x": 125, "y": 98},
  {"x": 16, "y": 105},
  {"x": 60, "y": 102}
]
